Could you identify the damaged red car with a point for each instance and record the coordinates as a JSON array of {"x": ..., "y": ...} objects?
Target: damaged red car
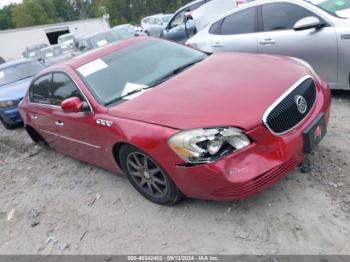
[{"x": 178, "y": 122}]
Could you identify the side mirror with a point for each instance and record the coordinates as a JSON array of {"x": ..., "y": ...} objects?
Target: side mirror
[
  {"x": 308, "y": 23},
  {"x": 72, "y": 105}
]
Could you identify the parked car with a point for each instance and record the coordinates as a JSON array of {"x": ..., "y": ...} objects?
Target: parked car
[
  {"x": 55, "y": 54},
  {"x": 176, "y": 121},
  {"x": 2, "y": 60},
  {"x": 33, "y": 52},
  {"x": 154, "y": 25},
  {"x": 294, "y": 28},
  {"x": 66, "y": 39},
  {"x": 15, "y": 78},
  {"x": 176, "y": 30},
  {"x": 89, "y": 42}
]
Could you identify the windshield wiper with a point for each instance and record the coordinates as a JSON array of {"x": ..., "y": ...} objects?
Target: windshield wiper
[
  {"x": 174, "y": 72},
  {"x": 138, "y": 90}
]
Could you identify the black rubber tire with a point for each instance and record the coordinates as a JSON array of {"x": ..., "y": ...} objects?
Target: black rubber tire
[
  {"x": 35, "y": 136},
  {"x": 173, "y": 194},
  {"x": 7, "y": 125}
]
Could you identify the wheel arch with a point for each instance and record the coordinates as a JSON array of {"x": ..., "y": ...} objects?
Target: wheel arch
[
  {"x": 34, "y": 135},
  {"x": 116, "y": 151}
]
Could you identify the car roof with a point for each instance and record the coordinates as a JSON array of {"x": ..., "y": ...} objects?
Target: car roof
[
  {"x": 192, "y": 3},
  {"x": 16, "y": 62},
  {"x": 95, "y": 54},
  {"x": 101, "y": 32},
  {"x": 156, "y": 15},
  {"x": 36, "y": 47}
]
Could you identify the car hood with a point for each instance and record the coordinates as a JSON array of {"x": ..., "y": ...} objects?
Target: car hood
[
  {"x": 15, "y": 91},
  {"x": 226, "y": 89}
]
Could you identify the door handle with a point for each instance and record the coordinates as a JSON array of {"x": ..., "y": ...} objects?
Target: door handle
[
  {"x": 217, "y": 44},
  {"x": 59, "y": 123},
  {"x": 268, "y": 42},
  {"x": 34, "y": 117}
]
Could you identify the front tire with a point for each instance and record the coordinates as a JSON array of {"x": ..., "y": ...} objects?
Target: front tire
[{"x": 148, "y": 177}]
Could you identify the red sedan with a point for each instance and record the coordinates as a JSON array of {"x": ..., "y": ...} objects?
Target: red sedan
[{"x": 178, "y": 122}]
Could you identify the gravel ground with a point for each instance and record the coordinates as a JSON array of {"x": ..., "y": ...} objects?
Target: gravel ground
[{"x": 52, "y": 204}]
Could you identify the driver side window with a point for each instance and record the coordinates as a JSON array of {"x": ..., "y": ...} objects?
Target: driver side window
[
  {"x": 283, "y": 16},
  {"x": 63, "y": 88},
  {"x": 52, "y": 89}
]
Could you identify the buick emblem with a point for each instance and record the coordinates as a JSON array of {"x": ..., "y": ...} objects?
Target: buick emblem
[{"x": 301, "y": 104}]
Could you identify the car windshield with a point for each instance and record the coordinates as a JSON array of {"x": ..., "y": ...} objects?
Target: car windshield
[
  {"x": 339, "y": 8},
  {"x": 18, "y": 72},
  {"x": 140, "y": 65},
  {"x": 110, "y": 37}
]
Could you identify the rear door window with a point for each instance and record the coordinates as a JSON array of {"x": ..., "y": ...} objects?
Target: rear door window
[
  {"x": 39, "y": 90},
  {"x": 242, "y": 22}
]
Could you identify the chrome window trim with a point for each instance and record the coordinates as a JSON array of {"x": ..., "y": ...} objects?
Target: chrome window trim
[
  {"x": 75, "y": 83},
  {"x": 281, "y": 98}
]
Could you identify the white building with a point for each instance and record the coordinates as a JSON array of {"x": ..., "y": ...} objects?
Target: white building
[{"x": 13, "y": 42}]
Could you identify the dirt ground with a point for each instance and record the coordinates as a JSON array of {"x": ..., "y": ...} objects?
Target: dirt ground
[{"x": 52, "y": 204}]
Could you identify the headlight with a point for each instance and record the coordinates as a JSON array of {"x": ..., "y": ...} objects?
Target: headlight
[
  {"x": 7, "y": 104},
  {"x": 207, "y": 145}
]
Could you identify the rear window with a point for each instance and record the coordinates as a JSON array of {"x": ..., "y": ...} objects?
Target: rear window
[{"x": 242, "y": 22}]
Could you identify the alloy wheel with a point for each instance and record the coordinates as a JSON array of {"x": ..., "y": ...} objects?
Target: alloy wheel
[{"x": 147, "y": 174}]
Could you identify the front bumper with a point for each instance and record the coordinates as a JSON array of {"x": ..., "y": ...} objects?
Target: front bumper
[
  {"x": 253, "y": 169},
  {"x": 11, "y": 116}
]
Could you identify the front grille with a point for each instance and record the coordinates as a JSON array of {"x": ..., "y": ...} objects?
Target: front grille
[{"x": 291, "y": 109}]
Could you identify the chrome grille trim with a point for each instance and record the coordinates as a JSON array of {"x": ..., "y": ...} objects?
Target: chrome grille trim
[{"x": 283, "y": 97}]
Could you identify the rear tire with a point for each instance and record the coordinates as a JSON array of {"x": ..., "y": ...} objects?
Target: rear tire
[
  {"x": 35, "y": 136},
  {"x": 148, "y": 177},
  {"x": 7, "y": 125}
]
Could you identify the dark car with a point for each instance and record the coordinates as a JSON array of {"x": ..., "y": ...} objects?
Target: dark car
[
  {"x": 2, "y": 60},
  {"x": 176, "y": 30},
  {"x": 90, "y": 42},
  {"x": 15, "y": 78}
]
